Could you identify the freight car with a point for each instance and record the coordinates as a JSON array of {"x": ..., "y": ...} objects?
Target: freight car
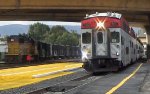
[{"x": 19, "y": 46}]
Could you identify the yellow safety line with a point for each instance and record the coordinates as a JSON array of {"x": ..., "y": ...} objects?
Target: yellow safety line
[
  {"x": 123, "y": 81},
  {"x": 26, "y": 71},
  {"x": 17, "y": 77},
  {"x": 15, "y": 73}
]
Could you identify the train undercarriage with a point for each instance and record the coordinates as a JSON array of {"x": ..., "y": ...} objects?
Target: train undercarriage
[{"x": 102, "y": 65}]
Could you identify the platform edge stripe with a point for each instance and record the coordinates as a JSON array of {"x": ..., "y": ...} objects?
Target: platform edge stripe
[
  {"x": 124, "y": 80},
  {"x": 50, "y": 73}
]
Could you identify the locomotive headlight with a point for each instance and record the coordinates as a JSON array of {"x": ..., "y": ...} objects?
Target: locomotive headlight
[
  {"x": 86, "y": 53},
  {"x": 85, "y": 56},
  {"x": 117, "y": 54},
  {"x": 100, "y": 24}
]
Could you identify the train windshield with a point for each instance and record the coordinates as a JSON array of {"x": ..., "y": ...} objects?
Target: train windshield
[
  {"x": 100, "y": 37},
  {"x": 86, "y": 38},
  {"x": 115, "y": 37}
]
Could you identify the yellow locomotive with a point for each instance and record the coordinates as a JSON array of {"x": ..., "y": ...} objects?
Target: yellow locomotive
[{"x": 19, "y": 47}]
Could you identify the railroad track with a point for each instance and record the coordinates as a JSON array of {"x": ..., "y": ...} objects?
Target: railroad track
[{"x": 69, "y": 86}]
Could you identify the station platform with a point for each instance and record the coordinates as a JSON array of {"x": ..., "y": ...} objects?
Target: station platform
[
  {"x": 146, "y": 84},
  {"x": 25, "y": 75},
  {"x": 134, "y": 79}
]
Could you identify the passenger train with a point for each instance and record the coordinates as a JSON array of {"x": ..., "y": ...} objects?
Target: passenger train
[{"x": 108, "y": 43}]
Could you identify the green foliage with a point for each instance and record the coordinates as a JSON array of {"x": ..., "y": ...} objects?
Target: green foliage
[
  {"x": 55, "y": 35},
  {"x": 3, "y": 38},
  {"x": 38, "y": 30}
]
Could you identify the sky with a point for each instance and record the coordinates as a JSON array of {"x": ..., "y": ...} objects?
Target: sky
[
  {"x": 52, "y": 23},
  {"x": 44, "y": 22}
]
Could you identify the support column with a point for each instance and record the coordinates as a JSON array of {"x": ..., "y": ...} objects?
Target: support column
[
  {"x": 18, "y": 3},
  {"x": 148, "y": 40}
]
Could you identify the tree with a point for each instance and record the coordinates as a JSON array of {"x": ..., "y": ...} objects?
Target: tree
[
  {"x": 55, "y": 35},
  {"x": 4, "y": 38},
  {"x": 38, "y": 30},
  {"x": 59, "y": 35}
]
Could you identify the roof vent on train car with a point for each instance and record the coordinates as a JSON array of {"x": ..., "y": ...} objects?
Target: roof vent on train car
[
  {"x": 87, "y": 15},
  {"x": 114, "y": 14},
  {"x": 109, "y": 13},
  {"x": 96, "y": 13}
]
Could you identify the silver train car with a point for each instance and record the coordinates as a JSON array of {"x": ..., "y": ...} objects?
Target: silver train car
[{"x": 108, "y": 43}]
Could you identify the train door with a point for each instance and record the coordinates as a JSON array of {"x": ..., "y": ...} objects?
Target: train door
[
  {"x": 115, "y": 43},
  {"x": 86, "y": 44},
  {"x": 101, "y": 42}
]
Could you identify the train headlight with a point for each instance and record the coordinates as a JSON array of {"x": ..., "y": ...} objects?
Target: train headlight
[
  {"x": 85, "y": 56},
  {"x": 117, "y": 54},
  {"x": 100, "y": 24}
]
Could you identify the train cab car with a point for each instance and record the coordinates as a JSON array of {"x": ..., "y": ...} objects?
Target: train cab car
[
  {"x": 106, "y": 42},
  {"x": 19, "y": 46}
]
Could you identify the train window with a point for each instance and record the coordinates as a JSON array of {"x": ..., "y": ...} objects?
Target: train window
[
  {"x": 86, "y": 37},
  {"x": 122, "y": 40},
  {"x": 145, "y": 52},
  {"x": 127, "y": 50},
  {"x": 125, "y": 27},
  {"x": 100, "y": 37},
  {"x": 115, "y": 37}
]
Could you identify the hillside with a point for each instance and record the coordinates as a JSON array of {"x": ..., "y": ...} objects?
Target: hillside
[{"x": 15, "y": 29}]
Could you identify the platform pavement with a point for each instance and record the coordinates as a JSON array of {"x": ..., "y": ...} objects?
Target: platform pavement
[{"x": 145, "y": 89}]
